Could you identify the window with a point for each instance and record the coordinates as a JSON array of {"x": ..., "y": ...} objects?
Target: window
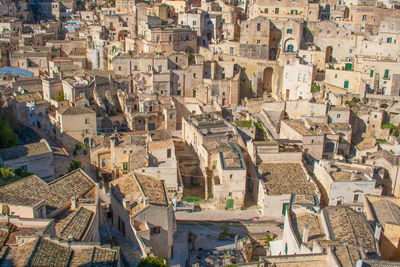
[
  {"x": 223, "y": 20},
  {"x": 231, "y": 50},
  {"x": 247, "y": 26},
  {"x": 276, "y": 10},
  {"x": 194, "y": 75},
  {"x": 293, "y": 12},
  {"x": 155, "y": 230},
  {"x": 386, "y": 74},
  {"x": 364, "y": 18},
  {"x": 135, "y": 68},
  {"x": 103, "y": 163},
  {"x": 230, "y": 176},
  {"x": 329, "y": 147},
  {"x": 230, "y": 194},
  {"x": 159, "y": 68},
  {"x": 119, "y": 67},
  {"x": 289, "y": 31},
  {"x": 346, "y": 84},
  {"x": 158, "y": 38},
  {"x": 338, "y": 116},
  {"x": 371, "y": 73},
  {"x": 290, "y": 48},
  {"x": 258, "y": 41},
  {"x": 125, "y": 166},
  {"x": 350, "y": 50},
  {"x": 258, "y": 27},
  {"x": 266, "y": 10},
  {"x": 194, "y": 23},
  {"x": 299, "y": 77},
  {"x": 356, "y": 197},
  {"x": 24, "y": 168},
  {"x": 338, "y": 203},
  {"x": 389, "y": 40}
]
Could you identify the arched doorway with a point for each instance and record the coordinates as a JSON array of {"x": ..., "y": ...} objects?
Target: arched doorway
[
  {"x": 328, "y": 54},
  {"x": 267, "y": 80}
]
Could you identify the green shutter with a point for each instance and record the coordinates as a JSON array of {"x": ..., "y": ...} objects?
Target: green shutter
[
  {"x": 348, "y": 66},
  {"x": 346, "y": 84},
  {"x": 125, "y": 166},
  {"x": 266, "y": 10},
  {"x": 276, "y": 10},
  {"x": 229, "y": 203},
  {"x": 386, "y": 73},
  {"x": 371, "y": 73}
]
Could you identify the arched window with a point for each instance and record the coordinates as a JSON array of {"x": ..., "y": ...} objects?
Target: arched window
[
  {"x": 290, "y": 48},
  {"x": 289, "y": 31}
]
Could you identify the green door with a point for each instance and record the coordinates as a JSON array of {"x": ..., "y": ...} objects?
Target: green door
[
  {"x": 348, "y": 66},
  {"x": 229, "y": 203},
  {"x": 284, "y": 206},
  {"x": 346, "y": 84}
]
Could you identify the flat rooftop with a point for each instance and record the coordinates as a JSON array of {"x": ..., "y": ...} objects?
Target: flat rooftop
[
  {"x": 208, "y": 125},
  {"x": 309, "y": 128},
  {"x": 233, "y": 158},
  {"x": 286, "y": 178}
]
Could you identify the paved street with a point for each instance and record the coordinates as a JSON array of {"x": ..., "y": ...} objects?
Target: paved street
[{"x": 221, "y": 215}]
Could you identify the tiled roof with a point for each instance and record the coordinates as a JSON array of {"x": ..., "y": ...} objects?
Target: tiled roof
[
  {"x": 48, "y": 253},
  {"x": 27, "y": 97},
  {"x": 392, "y": 159},
  {"x": 153, "y": 189},
  {"x": 135, "y": 187},
  {"x": 386, "y": 211},
  {"x": 312, "y": 222},
  {"x": 27, "y": 150},
  {"x": 103, "y": 256},
  {"x": 347, "y": 255},
  {"x": 44, "y": 252},
  {"x": 77, "y": 226},
  {"x": 349, "y": 226},
  {"x": 73, "y": 110},
  {"x": 316, "y": 128},
  {"x": 286, "y": 178},
  {"x": 31, "y": 190}
]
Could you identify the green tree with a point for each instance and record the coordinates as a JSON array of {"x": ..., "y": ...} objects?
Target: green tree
[
  {"x": 153, "y": 262},
  {"x": 75, "y": 164},
  {"x": 8, "y": 175},
  {"x": 7, "y": 135},
  {"x": 60, "y": 96}
]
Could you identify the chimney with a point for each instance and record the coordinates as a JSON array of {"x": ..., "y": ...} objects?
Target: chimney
[
  {"x": 306, "y": 231},
  {"x": 378, "y": 231},
  {"x": 73, "y": 203},
  {"x": 126, "y": 203}
]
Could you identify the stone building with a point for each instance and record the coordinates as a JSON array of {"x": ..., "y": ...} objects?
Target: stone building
[
  {"x": 143, "y": 214},
  {"x": 36, "y": 158},
  {"x": 347, "y": 184}
]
